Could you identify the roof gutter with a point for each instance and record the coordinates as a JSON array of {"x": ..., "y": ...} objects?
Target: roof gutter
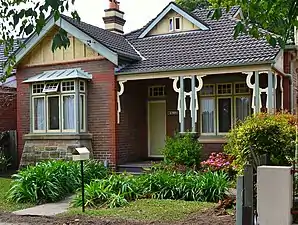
[{"x": 269, "y": 62}]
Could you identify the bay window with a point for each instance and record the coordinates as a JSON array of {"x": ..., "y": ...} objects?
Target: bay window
[
  {"x": 56, "y": 106},
  {"x": 222, "y": 105}
]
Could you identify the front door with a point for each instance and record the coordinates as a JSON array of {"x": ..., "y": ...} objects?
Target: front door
[{"x": 156, "y": 127}]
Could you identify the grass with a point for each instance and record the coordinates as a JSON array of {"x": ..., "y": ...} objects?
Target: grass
[
  {"x": 4, "y": 204},
  {"x": 148, "y": 209}
]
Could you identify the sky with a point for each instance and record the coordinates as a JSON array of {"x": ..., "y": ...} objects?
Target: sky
[{"x": 137, "y": 12}]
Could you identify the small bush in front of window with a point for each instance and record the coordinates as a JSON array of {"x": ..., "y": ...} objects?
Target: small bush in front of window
[
  {"x": 269, "y": 134},
  {"x": 218, "y": 161},
  {"x": 183, "y": 149}
]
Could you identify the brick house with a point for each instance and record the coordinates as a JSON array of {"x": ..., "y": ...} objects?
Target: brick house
[
  {"x": 120, "y": 94},
  {"x": 8, "y": 99}
]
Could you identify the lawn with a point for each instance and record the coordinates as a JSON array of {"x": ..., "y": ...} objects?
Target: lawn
[
  {"x": 4, "y": 204},
  {"x": 148, "y": 209}
]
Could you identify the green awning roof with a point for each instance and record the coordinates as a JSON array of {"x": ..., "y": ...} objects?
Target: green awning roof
[{"x": 60, "y": 75}]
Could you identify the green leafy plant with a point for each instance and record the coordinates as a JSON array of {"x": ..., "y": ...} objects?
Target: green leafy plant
[
  {"x": 262, "y": 134},
  {"x": 50, "y": 181},
  {"x": 118, "y": 190},
  {"x": 183, "y": 149}
]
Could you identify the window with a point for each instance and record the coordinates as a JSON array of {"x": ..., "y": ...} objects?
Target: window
[
  {"x": 50, "y": 87},
  {"x": 171, "y": 24},
  {"x": 39, "y": 114},
  {"x": 54, "y": 109},
  {"x": 157, "y": 91},
  {"x": 175, "y": 24},
  {"x": 222, "y": 107}
]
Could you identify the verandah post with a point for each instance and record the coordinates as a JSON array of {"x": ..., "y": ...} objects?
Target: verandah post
[
  {"x": 193, "y": 106},
  {"x": 182, "y": 106}
]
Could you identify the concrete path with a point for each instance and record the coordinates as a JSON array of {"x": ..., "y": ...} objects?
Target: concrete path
[{"x": 50, "y": 209}]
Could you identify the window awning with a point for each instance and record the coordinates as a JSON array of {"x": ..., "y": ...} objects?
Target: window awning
[{"x": 60, "y": 75}]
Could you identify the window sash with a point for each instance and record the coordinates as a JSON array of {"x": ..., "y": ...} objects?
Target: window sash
[
  {"x": 72, "y": 127},
  {"x": 171, "y": 24},
  {"x": 218, "y": 115},
  {"x": 212, "y": 126},
  {"x": 68, "y": 84},
  {"x": 82, "y": 113},
  {"x": 34, "y": 119},
  {"x": 235, "y": 107},
  {"x": 48, "y": 114},
  {"x": 179, "y": 20},
  {"x": 51, "y": 87}
]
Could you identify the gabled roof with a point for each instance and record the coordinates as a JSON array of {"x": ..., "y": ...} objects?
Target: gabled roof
[
  {"x": 199, "y": 49},
  {"x": 110, "y": 45},
  {"x": 173, "y": 6}
]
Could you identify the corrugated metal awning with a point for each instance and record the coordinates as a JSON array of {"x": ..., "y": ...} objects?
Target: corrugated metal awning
[{"x": 60, "y": 75}]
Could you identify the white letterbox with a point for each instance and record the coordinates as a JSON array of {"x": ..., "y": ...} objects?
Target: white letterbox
[{"x": 81, "y": 154}]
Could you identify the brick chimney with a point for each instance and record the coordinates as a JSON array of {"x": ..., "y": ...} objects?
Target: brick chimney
[{"x": 113, "y": 18}]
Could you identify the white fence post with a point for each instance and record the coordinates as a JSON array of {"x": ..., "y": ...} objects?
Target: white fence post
[{"x": 274, "y": 195}]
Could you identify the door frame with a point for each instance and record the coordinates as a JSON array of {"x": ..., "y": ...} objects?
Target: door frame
[{"x": 148, "y": 124}]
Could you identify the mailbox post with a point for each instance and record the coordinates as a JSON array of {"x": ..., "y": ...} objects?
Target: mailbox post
[{"x": 81, "y": 154}]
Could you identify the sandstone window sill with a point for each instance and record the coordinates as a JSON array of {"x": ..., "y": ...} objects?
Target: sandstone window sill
[
  {"x": 213, "y": 139},
  {"x": 85, "y": 136}
]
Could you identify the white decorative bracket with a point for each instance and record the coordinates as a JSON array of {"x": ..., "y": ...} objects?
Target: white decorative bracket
[
  {"x": 261, "y": 90},
  {"x": 187, "y": 94},
  {"x": 119, "y": 93}
]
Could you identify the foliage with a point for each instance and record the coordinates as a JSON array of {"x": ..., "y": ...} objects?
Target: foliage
[
  {"x": 276, "y": 16},
  {"x": 5, "y": 205},
  {"x": 148, "y": 210},
  {"x": 51, "y": 181},
  {"x": 191, "y": 5},
  {"x": 4, "y": 162},
  {"x": 218, "y": 161},
  {"x": 118, "y": 190},
  {"x": 29, "y": 16},
  {"x": 182, "y": 149},
  {"x": 263, "y": 134}
]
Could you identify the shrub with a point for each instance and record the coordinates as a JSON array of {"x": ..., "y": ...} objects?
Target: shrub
[
  {"x": 50, "y": 181},
  {"x": 120, "y": 189},
  {"x": 218, "y": 161},
  {"x": 183, "y": 149},
  {"x": 4, "y": 162},
  {"x": 264, "y": 134}
]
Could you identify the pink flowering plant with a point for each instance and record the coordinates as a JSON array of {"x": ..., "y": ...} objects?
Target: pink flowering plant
[{"x": 218, "y": 162}]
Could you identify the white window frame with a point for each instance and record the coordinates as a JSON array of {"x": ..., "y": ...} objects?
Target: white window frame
[
  {"x": 208, "y": 95},
  {"x": 173, "y": 24},
  {"x": 83, "y": 111},
  {"x": 242, "y": 93},
  {"x": 62, "y": 113},
  {"x": 215, "y": 115},
  {"x": 47, "y": 118},
  {"x": 234, "y": 103},
  {"x": 82, "y": 81},
  {"x": 71, "y": 91},
  {"x": 41, "y": 93},
  {"x": 51, "y": 90},
  {"x": 33, "y": 114},
  {"x": 157, "y": 86},
  {"x": 226, "y": 94},
  {"x": 180, "y": 23}
]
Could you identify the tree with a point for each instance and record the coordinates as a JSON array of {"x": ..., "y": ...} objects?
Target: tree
[
  {"x": 26, "y": 17},
  {"x": 190, "y": 5},
  {"x": 276, "y": 16}
]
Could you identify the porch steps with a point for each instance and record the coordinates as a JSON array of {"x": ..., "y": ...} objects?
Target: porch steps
[{"x": 134, "y": 168}]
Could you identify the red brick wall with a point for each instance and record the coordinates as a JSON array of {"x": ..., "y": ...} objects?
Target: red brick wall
[
  {"x": 101, "y": 105},
  {"x": 8, "y": 109}
]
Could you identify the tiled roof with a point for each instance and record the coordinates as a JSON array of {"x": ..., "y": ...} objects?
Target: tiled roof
[
  {"x": 199, "y": 49},
  {"x": 113, "y": 41}
]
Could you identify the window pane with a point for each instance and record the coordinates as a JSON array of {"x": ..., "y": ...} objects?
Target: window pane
[
  {"x": 68, "y": 112},
  {"x": 224, "y": 114},
  {"x": 39, "y": 120},
  {"x": 53, "y": 107},
  {"x": 242, "y": 108},
  {"x": 171, "y": 27},
  {"x": 208, "y": 108},
  {"x": 82, "y": 112},
  {"x": 177, "y": 23}
]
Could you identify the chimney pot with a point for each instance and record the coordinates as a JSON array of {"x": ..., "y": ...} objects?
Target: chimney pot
[{"x": 114, "y": 4}]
